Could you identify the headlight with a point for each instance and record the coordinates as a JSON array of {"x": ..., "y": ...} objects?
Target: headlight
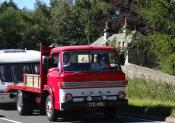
[
  {"x": 121, "y": 94},
  {"x": 68, "y": 97}
]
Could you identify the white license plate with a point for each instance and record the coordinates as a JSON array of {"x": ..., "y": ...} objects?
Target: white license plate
[{"x": 96, "y": 104}]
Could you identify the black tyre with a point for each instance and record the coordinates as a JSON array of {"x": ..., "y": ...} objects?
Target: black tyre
[
  {"x": 43, "y": 105},
  {"x": 23, "y": 104},
  {"x": 110, "y": 113},
  {"x": 52, "y": 114}
]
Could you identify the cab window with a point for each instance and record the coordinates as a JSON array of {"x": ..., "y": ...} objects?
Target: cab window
[{"x": 56, "y": 60}]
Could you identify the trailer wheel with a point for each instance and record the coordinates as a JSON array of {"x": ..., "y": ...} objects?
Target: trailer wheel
[
  {"x": 23, "y": 104},
  {"x": 110, "y": 113},
  {"x": 51, "y": 113}
]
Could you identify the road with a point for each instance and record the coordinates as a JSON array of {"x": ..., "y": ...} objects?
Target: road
[{"x": 8, "y": 114}]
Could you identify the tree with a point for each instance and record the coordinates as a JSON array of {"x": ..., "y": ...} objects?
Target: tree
[
  {"x": 79, "y": 23},
  {"x": 159, "y": 36},
  {"x": 35, "y": 30},
  {"x": 9, "y": 25},
  {"x": 90, "y": 13},
  {"x": 22, "y": 28},
  {"x": 63, "y": 23}
]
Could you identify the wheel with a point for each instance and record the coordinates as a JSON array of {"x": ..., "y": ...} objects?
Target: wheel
[
  {"x": 43, "y": 105},
  {"x": 52, "y": 114},
  {"x": 23, "y": 104},
  {"x": 109, "y": 113}
]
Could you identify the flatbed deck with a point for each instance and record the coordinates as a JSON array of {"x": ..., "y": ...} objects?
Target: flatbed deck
[{"x": 31, "y": 83}]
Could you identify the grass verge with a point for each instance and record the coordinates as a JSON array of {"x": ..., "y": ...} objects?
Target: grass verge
[{"x": 151, "y": 97}]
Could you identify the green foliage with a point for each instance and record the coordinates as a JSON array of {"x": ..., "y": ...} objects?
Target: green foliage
[
  {"x": 8, "y": 5},
  {"x": 156, "y": 12},
  {"x": 90, "y": 13},
  {"x": 63, "y": 23},
  {"x": 35, "y": 30},
  {"x": 122, "y": 51},
  {"x": 71, "y": 24},
  {"x": 167, "y": 64},
  {"x": 10, "y": 26},
  {"x": 20, "y": 28},
  {"x": 159, "y": 36},
  {"x": 60, "y": 23}
]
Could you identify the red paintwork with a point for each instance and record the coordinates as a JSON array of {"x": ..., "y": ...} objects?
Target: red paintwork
[
  {"x": 52, "y": 79},
  {"x": 92, "y": 76},
  {"x": 68, "y": 48},
  {"x": 23, "y": 88}
]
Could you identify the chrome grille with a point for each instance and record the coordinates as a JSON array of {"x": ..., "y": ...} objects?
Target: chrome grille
[{"x": 93, "y": 84}]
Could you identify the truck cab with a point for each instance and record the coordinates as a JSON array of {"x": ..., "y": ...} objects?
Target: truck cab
[{"x": 86, "y": 77}]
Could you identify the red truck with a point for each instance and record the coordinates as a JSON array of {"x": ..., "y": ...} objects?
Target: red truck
[{"x": 73, "y": 78}]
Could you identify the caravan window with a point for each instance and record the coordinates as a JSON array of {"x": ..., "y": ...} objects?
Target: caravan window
[
  {"x": 36, "y": 68},
  {"x": 5, "y": 74},
  {"x": 18, "y": 70}
]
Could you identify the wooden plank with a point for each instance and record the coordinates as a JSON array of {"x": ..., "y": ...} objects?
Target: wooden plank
[{"x": 32, "y": 80}]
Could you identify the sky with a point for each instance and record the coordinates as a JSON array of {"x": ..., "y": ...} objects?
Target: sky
[{"x": 29, "y": 4}]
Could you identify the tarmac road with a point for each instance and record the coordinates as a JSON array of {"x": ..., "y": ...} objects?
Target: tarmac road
[{"x": 8, "y": 114}]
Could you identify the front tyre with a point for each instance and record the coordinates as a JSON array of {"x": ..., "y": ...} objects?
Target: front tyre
[{"x": 52, "y": 114}]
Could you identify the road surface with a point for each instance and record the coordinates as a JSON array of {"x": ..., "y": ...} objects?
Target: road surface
[{"x": 8, "y": 114}]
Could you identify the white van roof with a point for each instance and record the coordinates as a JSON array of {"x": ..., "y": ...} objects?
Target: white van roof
[{"x": 19, "y": 56}]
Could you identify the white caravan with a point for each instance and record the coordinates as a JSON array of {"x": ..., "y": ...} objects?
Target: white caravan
[{"x": 13, "y": 63}]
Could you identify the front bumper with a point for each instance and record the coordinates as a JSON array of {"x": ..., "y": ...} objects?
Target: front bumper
[{"x": 93, "y": 105}]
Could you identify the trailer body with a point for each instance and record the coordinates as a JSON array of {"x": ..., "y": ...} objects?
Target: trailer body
[{"x": 12, "y": 65}]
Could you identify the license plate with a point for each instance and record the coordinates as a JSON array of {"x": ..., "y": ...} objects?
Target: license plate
[{"x": 96, "y": 104}]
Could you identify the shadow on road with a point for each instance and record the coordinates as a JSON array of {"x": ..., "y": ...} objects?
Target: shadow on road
[
  {"x": 86, "y": 118},
  {"x": 8, "y": 106},
  {"x": 155, "y": 112},
  {"x": 1, "y": 116}
]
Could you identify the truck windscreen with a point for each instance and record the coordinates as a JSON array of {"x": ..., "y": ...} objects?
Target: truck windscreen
[{"x": 90, "y": 61}]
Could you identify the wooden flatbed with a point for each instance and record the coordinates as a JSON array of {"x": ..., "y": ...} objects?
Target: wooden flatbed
[{"x": 32, "y": 83}]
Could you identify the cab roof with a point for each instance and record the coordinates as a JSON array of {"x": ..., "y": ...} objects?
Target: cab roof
[{"x": 70, "y": 48}]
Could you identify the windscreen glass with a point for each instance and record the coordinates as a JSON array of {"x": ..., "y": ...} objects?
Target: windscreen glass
[{"x": 90, "y": 61}]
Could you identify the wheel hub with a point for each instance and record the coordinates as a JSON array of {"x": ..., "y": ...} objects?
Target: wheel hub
[
  {"x": 19, "y": 103},
  {"x": 49, "y": 108}
]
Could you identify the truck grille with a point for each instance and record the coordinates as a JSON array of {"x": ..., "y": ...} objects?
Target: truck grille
[{"x": 93, "y": 84}]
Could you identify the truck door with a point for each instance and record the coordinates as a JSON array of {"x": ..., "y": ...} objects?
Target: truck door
[{"x": 53, "y": 77}]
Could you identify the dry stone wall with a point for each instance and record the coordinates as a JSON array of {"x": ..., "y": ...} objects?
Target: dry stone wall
[{"x": 135, "y": 71}]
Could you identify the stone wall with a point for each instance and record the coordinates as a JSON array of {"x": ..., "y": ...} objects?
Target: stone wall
[{"x": 135, "y": 71}]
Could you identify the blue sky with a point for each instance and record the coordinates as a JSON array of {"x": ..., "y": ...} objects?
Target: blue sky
[{"x": 29, "y": 4}]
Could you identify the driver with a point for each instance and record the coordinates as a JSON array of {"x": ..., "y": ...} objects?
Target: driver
[{"x": 66, "y": 60}]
